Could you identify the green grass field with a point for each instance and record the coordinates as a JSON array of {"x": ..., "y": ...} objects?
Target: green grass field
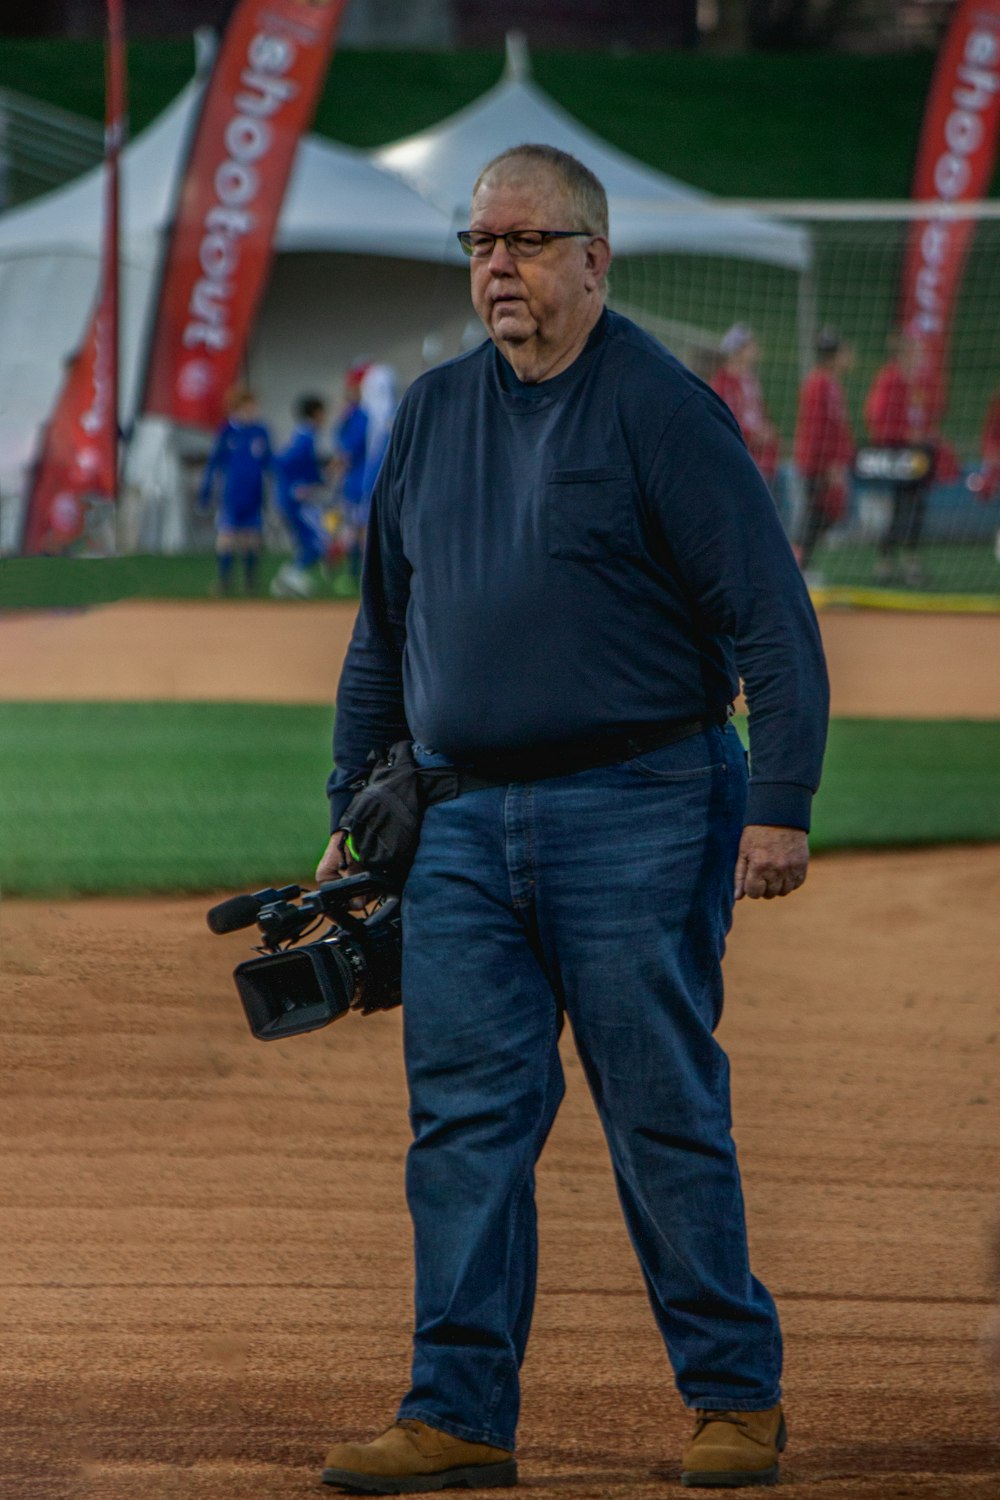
[
  {"x": 75, "y": 583},
  {"x": 159, "y": 796},
  {"x": 203, "y": 797},
  {"x": 949, "y": 568}
]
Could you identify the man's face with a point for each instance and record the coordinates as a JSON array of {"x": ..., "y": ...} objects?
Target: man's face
[{"x": 539, "y": 301}]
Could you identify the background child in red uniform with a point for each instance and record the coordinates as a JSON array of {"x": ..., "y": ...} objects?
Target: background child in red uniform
[
  {"x": 985, "y": 482},
  {"x": 902, "y": 409},
  {"x": 736, "y": 380},
  {"x": 824, "y": 445}
]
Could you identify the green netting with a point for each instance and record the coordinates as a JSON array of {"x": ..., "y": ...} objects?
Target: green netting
[{"x": 851, "y": 284}]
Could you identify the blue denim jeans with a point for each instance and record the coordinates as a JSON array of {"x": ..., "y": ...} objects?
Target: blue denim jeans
[{"x": 607, "y": 896}]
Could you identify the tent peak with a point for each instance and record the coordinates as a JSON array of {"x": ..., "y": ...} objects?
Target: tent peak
[
  {"x": 517, "y": 68},
  {"x": 206, "y": 45}
]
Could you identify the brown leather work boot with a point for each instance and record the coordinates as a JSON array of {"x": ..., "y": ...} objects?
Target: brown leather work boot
[
  {"x": 413, "y": 1457},
  {"x": 734, "y": 1448}
]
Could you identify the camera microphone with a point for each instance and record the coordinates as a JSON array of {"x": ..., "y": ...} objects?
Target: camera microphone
[{"x": 243, "y": 911}]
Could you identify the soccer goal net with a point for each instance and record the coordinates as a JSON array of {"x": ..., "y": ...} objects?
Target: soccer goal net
[{"x": 903, "y": 499}]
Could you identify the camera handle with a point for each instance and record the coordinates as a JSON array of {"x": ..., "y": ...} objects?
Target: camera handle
[{"x": 282, "y": 922}]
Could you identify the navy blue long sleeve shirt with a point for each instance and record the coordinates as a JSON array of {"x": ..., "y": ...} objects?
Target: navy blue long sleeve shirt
[{"x": 551, "y": 561}]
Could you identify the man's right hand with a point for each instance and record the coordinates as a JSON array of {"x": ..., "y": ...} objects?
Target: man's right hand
[{"x": 336, "y": 861}]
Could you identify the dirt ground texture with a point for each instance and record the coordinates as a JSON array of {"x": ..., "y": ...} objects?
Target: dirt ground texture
[
  {"x": 881, "y": 665},
  {"x": 204, "y": 1248}
]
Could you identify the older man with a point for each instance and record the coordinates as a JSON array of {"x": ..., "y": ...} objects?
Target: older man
[{"x": 572, "y": 556}]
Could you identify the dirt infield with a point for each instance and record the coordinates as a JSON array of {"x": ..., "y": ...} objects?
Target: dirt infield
[
  {"x": 881, "y": 665},
  {"x": 204, "y": 1252}
]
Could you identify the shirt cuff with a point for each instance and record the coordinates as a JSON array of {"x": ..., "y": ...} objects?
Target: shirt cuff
[
  {"x": 779, "y": 804},
  {"x": 338, "y": 806}
]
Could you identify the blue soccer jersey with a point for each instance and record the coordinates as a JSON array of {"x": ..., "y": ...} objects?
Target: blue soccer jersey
[{"x": 240, "y": 457}]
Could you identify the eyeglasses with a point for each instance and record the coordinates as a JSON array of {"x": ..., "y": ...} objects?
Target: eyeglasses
[{"x": 522, "y": 244}]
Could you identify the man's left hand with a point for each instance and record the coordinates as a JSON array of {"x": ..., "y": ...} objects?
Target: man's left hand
[{"x": 771, "y": 862}]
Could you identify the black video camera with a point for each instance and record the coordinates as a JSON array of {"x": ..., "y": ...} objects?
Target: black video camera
[{"x": 355, "y": 965}]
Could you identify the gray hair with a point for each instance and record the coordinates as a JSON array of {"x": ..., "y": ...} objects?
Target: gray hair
[{"x": 584, "y": 191}]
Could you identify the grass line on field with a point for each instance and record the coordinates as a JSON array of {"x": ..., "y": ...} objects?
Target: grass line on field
[
  {"x": 78, "y": 583},
  {"x": 206, "y": 796},
  {"x": 959, "y": 578}
]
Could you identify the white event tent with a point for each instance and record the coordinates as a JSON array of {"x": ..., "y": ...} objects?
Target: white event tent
[
  {"x": 649, "y": 212},
  {"x": 366, "y": 264},
  {"x": 339, "y": 211}
]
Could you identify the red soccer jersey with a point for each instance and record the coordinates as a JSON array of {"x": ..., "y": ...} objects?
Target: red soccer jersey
[
  {"x": 887, "y": 406},
  {"x": 991, "y": 431},
  {"x": 898, "y": 410},
  {"x": 822, "y": 430},
  {"x": 742, "y": 393}
]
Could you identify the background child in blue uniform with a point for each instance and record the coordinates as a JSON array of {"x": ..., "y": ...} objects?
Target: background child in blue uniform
[
  {"x": 237, "y": 464},
  {"x": 350, "y": 447},
  {"x": 300, "y": 476},
  {"x": 361, "y": 438}
]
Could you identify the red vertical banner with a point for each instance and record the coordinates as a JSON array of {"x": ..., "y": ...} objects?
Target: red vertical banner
[
  {"x": 260, "y": 98},
  {"x": 76, "y": 473},
  {"x": 955, "y": 164}
]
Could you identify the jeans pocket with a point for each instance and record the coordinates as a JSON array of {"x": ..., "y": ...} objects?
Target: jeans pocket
[
  {"x": 592, "y": 513},
  {"x": 699, "y": 755}
]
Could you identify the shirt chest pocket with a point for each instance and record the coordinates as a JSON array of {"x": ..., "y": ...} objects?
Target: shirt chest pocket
[{"x": 592, "y": 514}]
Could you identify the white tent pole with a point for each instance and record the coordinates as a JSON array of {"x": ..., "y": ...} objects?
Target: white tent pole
[{"x": 517, "y": 68}]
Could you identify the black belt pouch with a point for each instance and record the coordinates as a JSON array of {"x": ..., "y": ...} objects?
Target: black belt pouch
[{"x": 384, "y": 817}]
